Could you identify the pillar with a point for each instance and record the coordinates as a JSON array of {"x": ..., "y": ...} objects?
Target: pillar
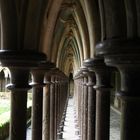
[
  {"x": 85, "y": 107},
  {"x": 16, "y": 56},
  {"x": 46, "y": 109},
  {"x": 19, "y": 63},
  {"x": 52, "y": 108},
  {"x": 124, "y": 54},
  {"x": 81, "y": 105},
  {"x": 91, "y": 107},
  {"x": 18, "y": 87},
  {"x": 91, "y": 99},
  {"x": 46, "y": 102},
  {"x": 37, "y": 102},
  {"x": 56, "y": 107},
  {"x": 84, "y": 104},
  {"x": 102, "y": 87}
]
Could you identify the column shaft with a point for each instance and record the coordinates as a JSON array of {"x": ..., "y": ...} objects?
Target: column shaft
[
  {"x": 46, "y": 111},
  {"x": 82, "y": 110},
  {"x": 85, "y": 108},
  {"x": 37, "y": 113},
  {"x": 102, "y": 115},
  {"x": 52, "y": 109},
  {"x": 102, "y": 101},
  {"x": 130, "y": 122},
  {"x": 91, "y": 108},
  {"x": 56, "y": 108},
  {"x": 18, "y": 87},
  {"x": 37, "y": 103}
]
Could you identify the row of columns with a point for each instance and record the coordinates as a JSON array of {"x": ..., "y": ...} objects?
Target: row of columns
[
  {"x": 123, "y": 54},
  {"x": 93, "y": 99},
  {"x": 48, "y": 102},
  {"x": 50, "y": 87},
  {"x": 92, "y": 90}
]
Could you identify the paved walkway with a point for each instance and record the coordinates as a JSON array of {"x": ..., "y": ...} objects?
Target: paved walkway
[
  {"x": 114, "y": 125},
  {"x": 70, "y": 132}
]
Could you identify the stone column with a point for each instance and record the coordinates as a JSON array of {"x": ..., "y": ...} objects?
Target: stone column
[
  {"x": 19, "y": 63},
  {"x": 52, "y": 108},
  {"x": 91, "y": 99},
  {"x": 46, "y": 109},
  {"x": 46, "y": 101},
  {"x": 37, "y": 101},
  {"x": 84, "y": 98},
  {"x": 56, "y": 107},
  {"x": 81, "y": 86},
  {"x": 91, "y": 107},
  {"x": 102, "y": 99},
  {"x": 37, "y": 107},
  {"x": 85, "y": 107},
  {"x": 19, "y": 87},
  {"x": 125, "y": 55},
  {"x": 78, "y": 105}
]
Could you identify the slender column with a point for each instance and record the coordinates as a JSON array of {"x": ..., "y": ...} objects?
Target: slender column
[
  {"x": 37, "y": 103},
  {"x": 82, "y": 110},
  {"x": 85, "y": 109},
  {"x": 52, "y": 108},
  {"x": 80, "y": 92},
  {"x": 84, "y": 71},
  {"x": 48, "y": 67},
  {"x": 60, "y": 96},
  {"x": 125, "y": 55},
  {"x": 91, "y": 107},
  {"x": 79, "y": 102},
  {"x": 56, "y": 107},
  {"x": 102, "y": 100},
  {"x": 88, "y": 63},
  {"x": 18, "y": 87},
  {"x": 58, "y": 102},
  {"x": 60, "y": 109},
  {"x": 46, "y": 109}
]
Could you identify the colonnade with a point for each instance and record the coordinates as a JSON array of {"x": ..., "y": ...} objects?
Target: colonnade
[
  {"x": 50, "y": 87},
  {"x": 93, "y": 99},
  {"x": 92, "y": 93},
  {"x": 93, "y": 87},
  {"x": 123, "y": 54}
]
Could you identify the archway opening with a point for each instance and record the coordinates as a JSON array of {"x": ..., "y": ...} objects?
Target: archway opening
[{"x": 71, "y": 85}]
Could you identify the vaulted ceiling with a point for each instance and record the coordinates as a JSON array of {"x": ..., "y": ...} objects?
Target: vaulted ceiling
[
  {"x": 69, "y": 32},
  {"x": 66, "y": 30}
]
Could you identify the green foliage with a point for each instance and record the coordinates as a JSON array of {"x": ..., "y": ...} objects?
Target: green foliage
[
  {"x": 4, "y": 125},
  {"x": 4, "y": 131},
  {"x": 5, "y": 113}
]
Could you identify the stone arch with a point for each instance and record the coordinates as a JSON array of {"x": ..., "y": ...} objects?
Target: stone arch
[{"x": 4, "y": 78}]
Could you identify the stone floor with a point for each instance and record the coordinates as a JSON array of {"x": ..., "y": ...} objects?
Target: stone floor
[
  {"x": 70, "y": 132},
  {"x": 114, "y": 124}
]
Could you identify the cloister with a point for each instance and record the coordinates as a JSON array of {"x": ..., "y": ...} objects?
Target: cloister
[{"x": 85, "y": 49}]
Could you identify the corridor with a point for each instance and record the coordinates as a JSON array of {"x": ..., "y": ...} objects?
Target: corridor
[{"x": 71, "y": 132}]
